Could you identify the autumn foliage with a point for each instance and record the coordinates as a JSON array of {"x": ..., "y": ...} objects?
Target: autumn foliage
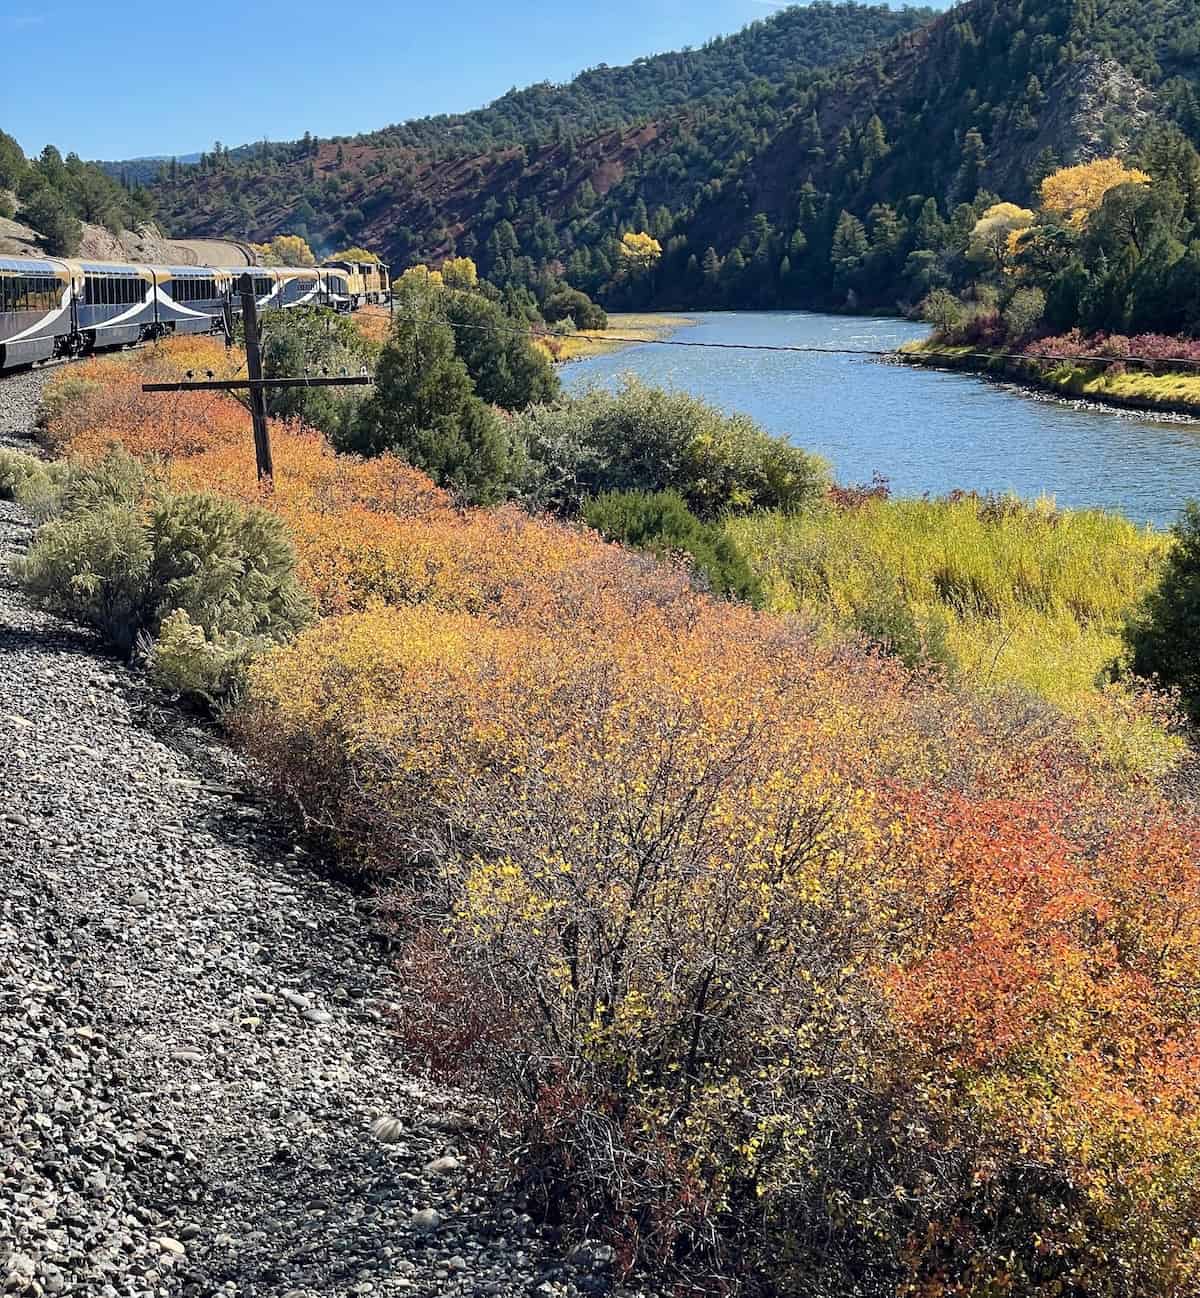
[
  {"x": 1076, "y": 192},
  {"x": 792, "y": 968}
]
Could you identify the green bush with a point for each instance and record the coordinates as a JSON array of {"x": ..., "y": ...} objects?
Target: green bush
[
  {"x": 309, "y": 340},
  {"x": 505, "y": 367},
  {"x": 645, "y": 439},
  {"x": 942, "y": 310},
  {"x": 125, "y": 567},
  {"x": 662, "y": 524},
  {"x": 94, "y": 567},
  {"x": 424, "y": 408},
  {"x": 571, "y": 304},
  {"x": 1024, "y": 313},
  {"x": 889, "y": 623},
  {"x": 50, "y": 488},
  {"x": 208, "y": 669},
  {"x": 117, "y": 479},
  {"x": 45, "y": 210},
  {"x": 20, "y": 473},
  {"x": 1163, "y": 637}
]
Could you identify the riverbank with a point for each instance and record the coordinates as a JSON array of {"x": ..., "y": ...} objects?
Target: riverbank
[
  {"x": 624, "y": 330},
  {"x": 1171, "y": 394}
]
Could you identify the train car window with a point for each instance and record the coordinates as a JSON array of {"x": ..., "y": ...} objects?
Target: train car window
[
  {"x": 31, "y": 293},
  {"x": 263, "y": 286}
]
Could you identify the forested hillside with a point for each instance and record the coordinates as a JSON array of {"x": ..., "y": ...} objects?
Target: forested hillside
[
  {"x": 746, "y": 175},
  {"x": 411, "y": 189},
  {"x": 56, "y": 195}
]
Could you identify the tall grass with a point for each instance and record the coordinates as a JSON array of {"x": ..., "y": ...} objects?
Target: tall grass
[{"x": 1030, "y": 594}]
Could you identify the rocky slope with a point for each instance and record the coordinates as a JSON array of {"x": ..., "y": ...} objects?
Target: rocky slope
[{"x": 145, "y": 245}]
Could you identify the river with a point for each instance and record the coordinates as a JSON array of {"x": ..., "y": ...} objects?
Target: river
[{"x": 925, "y": 430}]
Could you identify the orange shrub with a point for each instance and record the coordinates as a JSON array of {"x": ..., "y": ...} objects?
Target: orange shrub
[
  {"x": 752, "y": 929},
  {"x": 374, "y": 323},
  {"x": 100, "y": 401}
]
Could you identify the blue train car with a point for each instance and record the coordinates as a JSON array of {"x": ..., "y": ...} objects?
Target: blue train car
[
  {"x": 191, "y": 299},
  {"x": 36, "y": 310},
  {"x": 114, "y": 304}
]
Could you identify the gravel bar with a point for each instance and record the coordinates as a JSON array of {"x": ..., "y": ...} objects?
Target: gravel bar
[{"x": 194, "y": 1022}]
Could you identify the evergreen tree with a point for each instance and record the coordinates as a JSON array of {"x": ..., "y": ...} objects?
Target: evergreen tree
[
  {"x": 971, "y": 164},
  {"x": 424, "y": 408},
  {"x": 1164, "y": 638}
]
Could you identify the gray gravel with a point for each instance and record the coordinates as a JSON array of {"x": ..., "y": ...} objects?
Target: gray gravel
[
  {"x": 199, "y": 1090},
  {"x": 20, "y": 397}
]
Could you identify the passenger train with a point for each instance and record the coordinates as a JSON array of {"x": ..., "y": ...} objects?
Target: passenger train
[{"x": 52, "y": 308}]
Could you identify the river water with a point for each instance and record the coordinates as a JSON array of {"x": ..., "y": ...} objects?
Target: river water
[{"x": 925, "y": 430}]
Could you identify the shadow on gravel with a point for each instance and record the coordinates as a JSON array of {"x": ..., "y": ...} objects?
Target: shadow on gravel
[
  {"x": 56, "y": 638},
  {"x": 342, "y": 1218}
]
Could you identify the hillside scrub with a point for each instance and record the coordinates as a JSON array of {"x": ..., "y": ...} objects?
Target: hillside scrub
[
  {"x": 794, "y": 971},
  {"x": 740, "y": 967}
]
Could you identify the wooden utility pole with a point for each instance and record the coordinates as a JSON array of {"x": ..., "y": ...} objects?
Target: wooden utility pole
[{"x": 258, "y": 394}]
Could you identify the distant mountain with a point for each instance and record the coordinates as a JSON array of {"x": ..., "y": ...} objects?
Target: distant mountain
[
  {"x": 143, "y": 171},
  {"x": 829, "y": 154}
]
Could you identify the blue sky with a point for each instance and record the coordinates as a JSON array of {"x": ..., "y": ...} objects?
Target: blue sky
[{"x": 236, "y": 72}]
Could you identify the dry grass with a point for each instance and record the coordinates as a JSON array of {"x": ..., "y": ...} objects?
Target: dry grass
[{"x": 629, "y": 328}]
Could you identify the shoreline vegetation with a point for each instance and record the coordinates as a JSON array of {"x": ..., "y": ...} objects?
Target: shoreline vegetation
[
  {"x": 1158, "y": 391},
  {"x": 636, "y": 326}
]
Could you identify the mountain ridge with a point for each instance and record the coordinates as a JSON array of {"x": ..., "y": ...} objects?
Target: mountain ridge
[{"x": 805, "y": 185}]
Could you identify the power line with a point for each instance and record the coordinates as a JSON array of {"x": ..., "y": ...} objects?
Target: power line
[{"x": 805, "y": 350}]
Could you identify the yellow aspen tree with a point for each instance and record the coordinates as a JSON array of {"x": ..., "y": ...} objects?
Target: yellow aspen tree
[
  {"x": 991, "y": 239},
  {"x": 640, "y": 250},
  {"x": 1076, "y": 192}
]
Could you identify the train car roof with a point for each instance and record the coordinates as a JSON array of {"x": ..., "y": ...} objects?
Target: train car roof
[
  {"x": 202, "y": 271},
  {"x": 32, "y": 266},
  {"x": 112, "y": 268}
]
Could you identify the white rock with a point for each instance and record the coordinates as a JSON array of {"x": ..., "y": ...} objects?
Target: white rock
[
  {"x": 388, "y": 1131},
  {"x": 426, "y": 1221},
  {"x": 443, "y": 1166}
]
